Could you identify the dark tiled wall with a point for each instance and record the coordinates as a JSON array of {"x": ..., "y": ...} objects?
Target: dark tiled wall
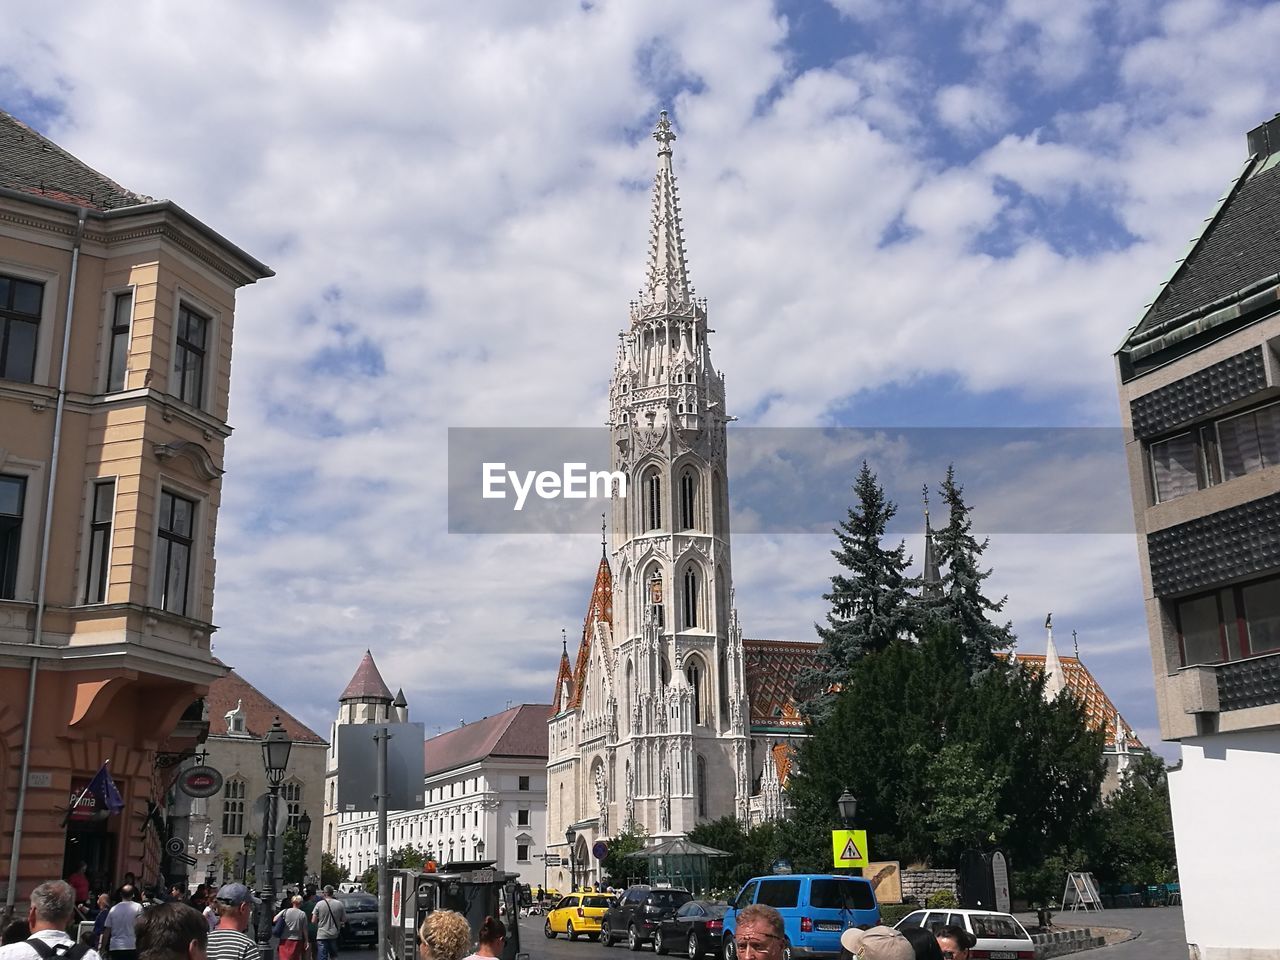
[
  {"x": 1232, "y": 543},
  {"x": 1199, "y": 394},
  {"x": 1249, "y": 683}
]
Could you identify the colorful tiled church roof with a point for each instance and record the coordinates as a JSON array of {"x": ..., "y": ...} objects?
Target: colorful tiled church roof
[
  {"x": 599, "y": 610},
  {"x": 773, "y": 670},
  {"x": 367, "y": 683},
  {"x": 1100, "y": 712}
]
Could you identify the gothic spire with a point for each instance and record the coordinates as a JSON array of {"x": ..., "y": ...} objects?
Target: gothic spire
[
  {"x": 1054, "y": 679},
  {"x": 932, "y": 580},
  {"x": 668, "y": 279}
]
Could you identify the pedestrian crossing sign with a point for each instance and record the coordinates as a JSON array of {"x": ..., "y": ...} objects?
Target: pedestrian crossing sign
[{"x": 849, "y": 848}]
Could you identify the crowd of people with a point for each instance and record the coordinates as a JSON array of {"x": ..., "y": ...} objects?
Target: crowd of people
[
  {"x": 761, "y": 935},
  {"x": 210, "y": 925}
]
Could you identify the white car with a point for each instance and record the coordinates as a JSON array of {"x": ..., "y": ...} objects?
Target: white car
[{"x": 1000, "y": 936}]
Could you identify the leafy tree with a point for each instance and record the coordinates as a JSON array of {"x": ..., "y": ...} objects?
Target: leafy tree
[
  {"x": 964, "y": 809},
  {"x": 1133, "y": 842},
  {"x": 615, "y": 863},
  {"x": 963, "y": 604},
  {"x": 407, "y": 857},
  {"x": 294, "y": 867},
  {"x": 332, "y": 872},
  {"x": 751, "y": 851},
  {"x": 926, "y": 748},
  {"x": 871, "y": 602}
]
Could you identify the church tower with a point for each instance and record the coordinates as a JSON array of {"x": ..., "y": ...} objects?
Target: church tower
[
  {"x": 678, "y": 670},
  {"x": 366, "y": 699}
]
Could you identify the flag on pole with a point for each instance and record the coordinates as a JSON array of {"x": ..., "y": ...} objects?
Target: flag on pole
[{"x": 103, "y": 790}]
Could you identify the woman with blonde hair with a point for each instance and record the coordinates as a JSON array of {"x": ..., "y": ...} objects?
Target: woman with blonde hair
[
  {"x": 292, "y": 927},
  {"x": 444, "y": 935}
]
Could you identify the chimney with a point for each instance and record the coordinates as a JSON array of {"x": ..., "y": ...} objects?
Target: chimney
[{"x": 1264, "y": 139}]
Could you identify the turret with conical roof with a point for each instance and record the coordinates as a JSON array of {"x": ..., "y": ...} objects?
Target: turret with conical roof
[{"x": 366, "y": 684}]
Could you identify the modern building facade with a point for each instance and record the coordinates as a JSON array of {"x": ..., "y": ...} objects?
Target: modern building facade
[
  {"x": 1200, "y": 397},
  {"x": 485, "y": 789},
  {"x": 652, "y": 723},
  {"x": 116, "y": 318}
]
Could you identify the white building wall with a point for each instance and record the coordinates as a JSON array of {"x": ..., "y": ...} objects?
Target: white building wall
[
  {"x": 478, "y": 801},
  {"x": 1224, "y": 817}
]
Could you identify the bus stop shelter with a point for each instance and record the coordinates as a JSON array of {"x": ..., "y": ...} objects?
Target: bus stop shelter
[{"x": 679, "y": 863}]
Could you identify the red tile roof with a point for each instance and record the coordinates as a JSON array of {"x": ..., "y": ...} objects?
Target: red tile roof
[
  {"x": 367, "y": 683},
  {"x": 33, "y": 164},
  {"x": 1100, "y": 712},
  {"x": 773, "y": 669},
  {"x": 259, "y": 710},
  {"x": 518, "y": 732}
]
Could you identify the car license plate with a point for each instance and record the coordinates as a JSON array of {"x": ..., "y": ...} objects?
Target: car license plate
[
  {"x": 1003, "y": 954},
  {"x": 370, "y": 933},
  {"x": 829, "y": 925}
]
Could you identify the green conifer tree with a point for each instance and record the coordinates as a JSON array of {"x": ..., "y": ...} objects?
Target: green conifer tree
[
  {"x": 963, "y": 604},
  {"x": 871, "y": 600}
]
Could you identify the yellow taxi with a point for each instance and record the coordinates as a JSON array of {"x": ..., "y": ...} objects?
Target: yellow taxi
[{"x": 577, "y": 913}]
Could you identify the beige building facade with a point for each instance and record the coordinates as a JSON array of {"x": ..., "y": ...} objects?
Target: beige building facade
[
  {"x": 1200, "y": 399},
  {"x": 116, "y": 319}
]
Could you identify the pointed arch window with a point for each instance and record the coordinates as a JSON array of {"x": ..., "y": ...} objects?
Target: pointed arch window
[
  {"x": 695, "y": 673},
  {"x": 691, "y": 596},
  {"x": 702, "y": 785},
  {"x": 293, "y": 802},
  {"x": 688, "y": 500},
  {"x": 652, "y": 499}
]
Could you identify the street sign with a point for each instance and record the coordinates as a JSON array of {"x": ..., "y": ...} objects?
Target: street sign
[
  {"x": 202, "y": 781},
  {"x": 358, "y": 769},
  {"x": 600, "y": 850},
  {"x": 553, "y": 859},
  {"x": 397, "y": 900},
  {"x": 1000, "y": 877},
  {"x": 849, "y": 848}
]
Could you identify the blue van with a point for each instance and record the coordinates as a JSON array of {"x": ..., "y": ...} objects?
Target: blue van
[{"x": 816, "y": 909}]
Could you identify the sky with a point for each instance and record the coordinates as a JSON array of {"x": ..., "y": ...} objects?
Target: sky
[{"x": 903, "y": 213}]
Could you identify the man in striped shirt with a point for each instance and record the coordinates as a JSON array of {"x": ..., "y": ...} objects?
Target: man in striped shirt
[{"x": 227, "y": 941}]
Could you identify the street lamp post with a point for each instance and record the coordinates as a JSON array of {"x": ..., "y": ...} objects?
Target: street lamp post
[
  {"x": 848, "y": 805},
  {"x": 570, "y": 836},
  {"x": 304, "y": 831},
  {"x": 480, "y": 850},
  {"x": 275, "y": 759}
]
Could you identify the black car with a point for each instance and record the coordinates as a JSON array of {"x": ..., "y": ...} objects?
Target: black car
[
  {"x": 638, "y": 912},
  {"x": 695, "y": 929},
  {"x": 361, "y": 928}
]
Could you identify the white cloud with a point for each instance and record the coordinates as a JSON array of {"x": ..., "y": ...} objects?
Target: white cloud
[{"x": 462, "y": 193}]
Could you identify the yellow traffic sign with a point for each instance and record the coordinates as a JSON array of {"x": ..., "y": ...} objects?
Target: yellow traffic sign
[{"x": 849, "y": 848}]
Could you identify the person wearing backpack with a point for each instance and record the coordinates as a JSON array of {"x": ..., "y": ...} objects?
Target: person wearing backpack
[{"x": 53, "y": 906}]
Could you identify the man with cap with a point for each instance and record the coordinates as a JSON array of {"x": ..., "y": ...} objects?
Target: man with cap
[
  {"x": 228, "y": 940},
  {"x": 878, "y": 943}
]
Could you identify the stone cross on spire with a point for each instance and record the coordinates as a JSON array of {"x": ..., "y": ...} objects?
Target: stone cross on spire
[{"x": 668, "y": 279}]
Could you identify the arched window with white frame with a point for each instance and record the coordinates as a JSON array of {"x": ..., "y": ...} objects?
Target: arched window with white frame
[
  {"x": 688, "y": 500},
  {"x": 651, "y": 499},
  {"x": 691, "y": 597}
]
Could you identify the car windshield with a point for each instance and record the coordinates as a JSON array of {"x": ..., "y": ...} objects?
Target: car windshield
[
  {"x": 830, "y": 894},
  {"x": 996, "y": 926},
  {"x": 715, "y": 909},
  {"x": 669, "y": 898},
  {"x": 602, "y": 902},
  {"x": 359, "y": 902}
]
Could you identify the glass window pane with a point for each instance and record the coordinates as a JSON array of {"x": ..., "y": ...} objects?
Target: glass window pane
[
  {"x": 1200, "y": 638},
  {"x": 175, "y": 593},
  {"x": 1230, "y": 624},
  {"x": 103, "y": 495},
  {"x": 1268, "y": 421},
  {"x": 182, "y": 512},
  {"x": 11, "y": 490},
  {"x": 1174, "y": 464},
  {"x": 1238, "y": 442},
  {"x": 20, "y": 351},
  {"x": 1262, "y": 614},
  {"x": 27, "y": 297},
  {"x": 118, "y": 362}
]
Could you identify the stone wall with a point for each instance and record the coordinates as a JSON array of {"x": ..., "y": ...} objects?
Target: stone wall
[{"x": 919, "y": 885}]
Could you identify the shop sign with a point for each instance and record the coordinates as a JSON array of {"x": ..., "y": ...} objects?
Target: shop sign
[
  {"x": 201, "y": 781},
  {"x": 86, "y": 806}
]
